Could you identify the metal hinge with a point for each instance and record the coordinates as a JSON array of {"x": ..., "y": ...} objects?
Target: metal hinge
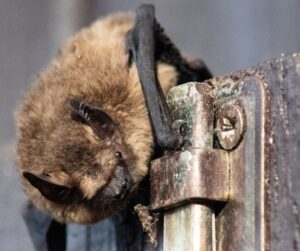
[{"x": 188, "y": 186}]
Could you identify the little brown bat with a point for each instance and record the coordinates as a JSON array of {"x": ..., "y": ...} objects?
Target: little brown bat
[{"x": 87, "y": 129}]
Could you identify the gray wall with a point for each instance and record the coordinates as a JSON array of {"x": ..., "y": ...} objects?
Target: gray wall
[{"x": 228, "y": 35}]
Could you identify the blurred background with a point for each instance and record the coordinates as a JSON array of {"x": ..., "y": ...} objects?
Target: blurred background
[{"x": 228, "y": 35}]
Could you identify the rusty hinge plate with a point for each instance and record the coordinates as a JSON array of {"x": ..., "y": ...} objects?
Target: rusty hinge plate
[
  {"x": 198, "y": 172},
  {"x": 190, "y": 175}
]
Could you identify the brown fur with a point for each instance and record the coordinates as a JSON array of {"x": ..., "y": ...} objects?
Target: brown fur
[{"x": 92, "y": 67}]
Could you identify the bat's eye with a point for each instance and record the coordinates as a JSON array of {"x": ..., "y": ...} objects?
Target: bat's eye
[{"x": 118, "y": 155}]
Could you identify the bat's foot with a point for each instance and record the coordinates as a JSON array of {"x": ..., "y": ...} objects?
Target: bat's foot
[{"x": 170, "y": 141}]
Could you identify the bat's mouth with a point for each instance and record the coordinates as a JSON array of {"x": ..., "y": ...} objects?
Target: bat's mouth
[
  {"x": 119, "y": 186},
  {"x": 114, "y": 195}
]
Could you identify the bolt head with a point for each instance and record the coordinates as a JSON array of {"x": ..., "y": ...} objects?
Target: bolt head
[{"x": 230, "y": 126}]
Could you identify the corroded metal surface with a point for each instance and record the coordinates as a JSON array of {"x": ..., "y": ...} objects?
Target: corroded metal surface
[
  {"x": 190, "y": 175},
  {"x": 198, "y": 172},
  {"x": 193, "y": 104},
  {"x": 240, "y": 224},
  {"x": 262, "y": 210},
  {"x": 188, "y": 228}
]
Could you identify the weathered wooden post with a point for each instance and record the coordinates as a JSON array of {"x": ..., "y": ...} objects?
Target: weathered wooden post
[{"x": 234, "y": 185}]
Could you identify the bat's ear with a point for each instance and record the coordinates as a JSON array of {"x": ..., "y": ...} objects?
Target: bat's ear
[
  {"x": 52, "y": 191},
  {"x": 102, "y": 124}
]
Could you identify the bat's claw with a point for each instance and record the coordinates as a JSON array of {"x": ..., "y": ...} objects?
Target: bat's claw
[{"x": 170, "y": 142}]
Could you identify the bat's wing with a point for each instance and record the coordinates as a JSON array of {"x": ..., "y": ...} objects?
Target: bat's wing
[
  {"x": 147, "y": 43},
  {"x": 167, "y": 52},
  {"x": 46, "y": 234}
]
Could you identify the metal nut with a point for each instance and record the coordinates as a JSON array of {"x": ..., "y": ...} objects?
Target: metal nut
[{"x": 230, "y": 126}]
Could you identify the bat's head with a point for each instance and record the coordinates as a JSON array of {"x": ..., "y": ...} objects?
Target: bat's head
[
  {"x": 82, "y": 168},
  {"x": 84, "y": 138},
  {"x": 84, "y": 135}
]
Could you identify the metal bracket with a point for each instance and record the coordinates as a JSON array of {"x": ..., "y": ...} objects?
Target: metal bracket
[
  {"x": 193, "y": 175},
  {"x": 216, "y": 203},
  {"x": 198, "y": 173},
  {"x": 188, "y": 183}
]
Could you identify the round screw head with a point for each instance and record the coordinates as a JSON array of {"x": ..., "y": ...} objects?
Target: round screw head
[{"x": 230, "y": 126}]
